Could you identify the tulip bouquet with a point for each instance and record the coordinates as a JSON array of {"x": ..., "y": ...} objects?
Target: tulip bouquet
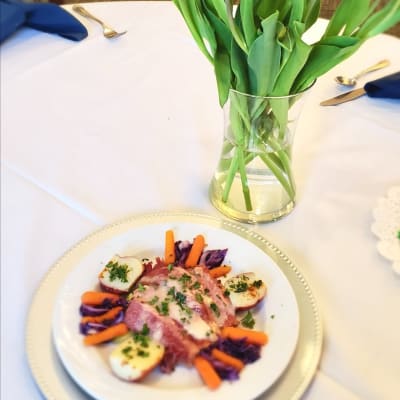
[{"x": 257, "y": 49}]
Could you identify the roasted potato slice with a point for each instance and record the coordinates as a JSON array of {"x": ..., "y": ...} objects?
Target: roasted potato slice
[
  {"x": 245, "y": 290},
  {"x": 120, "y": 274},
  {"x": 133, "y": 359}
]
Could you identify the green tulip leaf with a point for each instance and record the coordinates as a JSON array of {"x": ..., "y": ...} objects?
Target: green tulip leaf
[
  {"x": 264, "y": 58},
  {"x": 246, "y": 12},
  {"x": 223, "y": 73}
]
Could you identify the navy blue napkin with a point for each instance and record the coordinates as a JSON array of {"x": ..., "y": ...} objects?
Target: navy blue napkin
[
  {"x": 46, "y": 17},
  {"x": 387, "y": 87}
]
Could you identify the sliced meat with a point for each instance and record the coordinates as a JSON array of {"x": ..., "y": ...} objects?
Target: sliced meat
[
  {"x": 219, "y": 306},
  {"x": 203, "y": 294},
  {"x": 179, "y": 346},
  {"x": 184, "y": 308}
]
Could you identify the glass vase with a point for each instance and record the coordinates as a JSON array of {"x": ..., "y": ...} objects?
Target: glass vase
[{"x": 253, "y": 181}]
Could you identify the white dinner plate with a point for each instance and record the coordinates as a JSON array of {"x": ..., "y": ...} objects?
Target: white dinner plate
[{"x": 278, "y": 315}]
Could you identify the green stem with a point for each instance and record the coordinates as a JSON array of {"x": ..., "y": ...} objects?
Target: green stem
[
  {"x": 278, "y": 174},
  {"x": 284, "y": 159},
  {"x": 245, "y": 184},
  {"x": 229, "y": 177},
  {"x": 238, "y": 164},
  {"x": 264, "y": 144},
  {"x": 239, "y": 108}
]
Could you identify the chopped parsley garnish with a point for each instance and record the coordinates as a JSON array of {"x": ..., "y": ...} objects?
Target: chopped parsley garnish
[
  {"x": 398, "y": 235},
  {"x": 171, "y": 291},
  {"x": 258, "y": 283},
  {"x": 164, "y": 309},
  {"x": 195, "y": 285},
  {"x": 239, "y": 287},
  {"x": 243, "y": 286},
  {"x": 141, "y": 288},
  {"x": 154, "y": 300},
  {"x": 215, "y": 309},
  {"x": 126, "y": 350},
  {"x": 180, "y": 298},
  {"x": 142, "y": 353},
  {"x": 142, "y": 336},
  {"x": 199, "y": 297},
  {"x": 117, "y": 271},
  {"x": 227, "y": 293},
  {"x": 187, "y": 310},
  {"x": 185, "y": 278},
  {"x": 145, "y": 329},
  {"x": 170, "y": 266},
  {"x": 248, "y": 320}
]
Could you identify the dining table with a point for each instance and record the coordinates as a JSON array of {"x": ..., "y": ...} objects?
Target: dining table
[{"x": 105, "y": 130}]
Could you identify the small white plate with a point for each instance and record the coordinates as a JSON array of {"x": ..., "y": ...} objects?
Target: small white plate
[
  {"x": 387, "y": 226},
  {"x": 277, "y": 315},
  {"x": 56, "y": 384}
]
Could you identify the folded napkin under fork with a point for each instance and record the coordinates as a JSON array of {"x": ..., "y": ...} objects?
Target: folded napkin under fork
[{"x": 46, "y": 17}]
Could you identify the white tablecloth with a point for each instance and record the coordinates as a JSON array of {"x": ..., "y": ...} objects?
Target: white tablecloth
[{"x": 100, "y": 130}]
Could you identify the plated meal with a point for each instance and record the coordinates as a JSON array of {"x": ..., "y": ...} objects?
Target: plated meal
[
  {"x": 181, "y": 308},
  {"x": 174, "y": 310}
]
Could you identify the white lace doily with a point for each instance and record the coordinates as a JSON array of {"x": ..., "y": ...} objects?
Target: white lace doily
[{"x": 387, "y": 226}]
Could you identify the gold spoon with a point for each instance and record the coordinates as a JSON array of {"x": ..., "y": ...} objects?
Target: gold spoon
[
  {"x": 352, "y": 81},
  {"x": 108, "y": 32}
]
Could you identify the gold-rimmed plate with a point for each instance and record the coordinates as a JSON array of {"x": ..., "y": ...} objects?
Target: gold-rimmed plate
[{"x": 292, "y": 372}]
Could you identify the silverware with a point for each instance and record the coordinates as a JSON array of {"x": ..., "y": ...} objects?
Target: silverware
[
  {"x": 386, "y": 87},
  {"x": 108, "y": 32},
  {"x": 343, "y": 80},
  {"x": 342, "y": 98}
]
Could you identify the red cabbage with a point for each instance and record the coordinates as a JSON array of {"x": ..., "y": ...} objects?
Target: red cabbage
[
  {"x": 87, "y": 328},
  {"x": 209, "y": 258},
  {"x": 182, "y": 249},
  {"x": 246, "y": 352},
  {"x": 92, "y": 311},
  {"x": 225, "y": 372},
  {"x": 212, "y": 258}
]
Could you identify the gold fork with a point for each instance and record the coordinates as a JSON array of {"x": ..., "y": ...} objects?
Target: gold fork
[{"x": 108, "y": 32}]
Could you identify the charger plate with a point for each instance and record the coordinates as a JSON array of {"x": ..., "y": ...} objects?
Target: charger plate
[{"x": 55, "y": 382}]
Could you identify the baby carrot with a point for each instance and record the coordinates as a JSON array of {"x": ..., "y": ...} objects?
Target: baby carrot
[
  {"x": 236, "y": 333},
  {"x": 98, "y": 298},
  {"x": 169, "y": 247},
  {"x": 207, "y": 372},
  {"x": 106, "y": 335},
  {"x": 109, "y": 315},
  {"x": 195, "y": 251},
  {"x": 227, "y": 359},
  {"x": 222, "y": 270}
]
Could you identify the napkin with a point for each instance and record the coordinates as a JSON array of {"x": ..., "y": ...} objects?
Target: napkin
[
  {"x": 386, "y": 87},
  {"x": 46, "y": 17}
]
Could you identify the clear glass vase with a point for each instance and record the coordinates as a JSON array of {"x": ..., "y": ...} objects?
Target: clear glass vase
[{"x": 254, "y": 181}]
